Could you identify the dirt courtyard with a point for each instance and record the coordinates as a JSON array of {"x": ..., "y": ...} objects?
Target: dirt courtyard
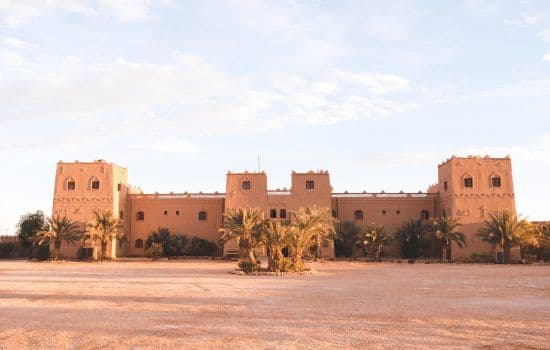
[{"x": 198, "y": 304}]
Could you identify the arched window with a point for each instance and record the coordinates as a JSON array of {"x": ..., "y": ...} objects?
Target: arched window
[
  {"x": 495, "y": 180},
  {"x": 282, "y": 213},
  {"x": 140, "y": 216},
  {"x": 273, "y": 213},
  {"x": 246, "y": 185},
  {"x": 468, "y": 181},
  {"x": 358, "y": 215},
  {"x": 139, "y": 243},
  {"x": 424, "y": 215},
  {"x": 70, "y": 184},
  {"x": 94, "y": 183},
  {"x": 202, "y": 215}
]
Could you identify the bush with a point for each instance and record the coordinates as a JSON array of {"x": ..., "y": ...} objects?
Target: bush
[
  {"x": 155, "y": 251},
  {"x": 482, "y": 258},
  {"x": 287, "y": 265},
  {"x": 201, "y": 247},
  {"x": 82, "y": 254},
  {"x": 247, "y": 267},
  {"x": 41, "y": 253},
  {"x": 7, "y": 250}
]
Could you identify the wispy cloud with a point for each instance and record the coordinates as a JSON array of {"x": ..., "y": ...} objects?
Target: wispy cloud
[
  {"x": 167, "y": 145},
  {"x": 376, "y": 83},
  {"x": 546, "y": 57},
  {"x": 524, "y": 21},
  {"x": 544, "y": 35},
  {"x": 17, "y": 43}
]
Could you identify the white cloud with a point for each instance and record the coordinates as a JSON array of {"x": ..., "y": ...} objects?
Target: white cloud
[
  {"x": 546, "y": 57},
  {"x": 376, "y": 83},
  {"x": 11, "y": 58},
  {"x": 524, "y": 21},
  {"x": 544, "y": 35},
  {"x": 481, "y": 6},
  {"x": 17, "y": 43},
  {"x": 169, "y": 145}
]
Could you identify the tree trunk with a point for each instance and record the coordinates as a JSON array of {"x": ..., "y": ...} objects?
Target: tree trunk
[
  {"x": 297, "y": 259},
  {"x": 506, "y": 255},
  {"x": 444, "y": 254},
  {"x": 377, "y": 254},
  {"x": 103, "y": 249},
  {"x": 251, "y": 257},
  {"x": 57, "y": 249}
]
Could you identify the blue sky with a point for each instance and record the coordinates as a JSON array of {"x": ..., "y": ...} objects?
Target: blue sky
[{"x": 179, "y": 92}]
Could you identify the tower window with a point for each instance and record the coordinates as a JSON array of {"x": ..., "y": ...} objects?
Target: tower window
[
  {"x": 121, "y": 215},
  {"x": 273, "y": 213},
  {"x": 282, "y": 213},
  {"x": 177, "y": 212},
  {"x": 445, "y": 185},
  {"x": 468, "y": 182},
  {"x": 398, "y": 211},
  {"x": 71, "y": 185},
  {"x": 119, "y": 187},
  {"x": 202, "y": 215},
  {"x": 424, "y": 215},
  {"x": 444, "y": 213},
  {"x": 495, "y": 181},
  {"x": 246, "y": 185},
  {"x": 310, "y": 185},
  {"x": 139, "y": 243},
  {"x": 166, "y": 212},
  {"x": 95, "y": 184},
  {"x": 334, "y": 214},
  {"x": 358, "y": 215},
  {"x": 140, "y": 216}
]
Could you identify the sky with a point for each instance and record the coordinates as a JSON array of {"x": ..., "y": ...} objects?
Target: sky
[{"x": 179, "y": 92}]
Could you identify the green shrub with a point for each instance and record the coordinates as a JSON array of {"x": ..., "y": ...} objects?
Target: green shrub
[
  {"x": 7, "y": 250},
  {"x": 41, "y": 253},
  {"x": 482, "y": 258},
  {"x": 155, "y": 251},
  {"x": 247, "y": 267},
  {"x": 82, "y": 254},
  {"x": 287, "y": 265},
  {"x": 201, "y": 247}
]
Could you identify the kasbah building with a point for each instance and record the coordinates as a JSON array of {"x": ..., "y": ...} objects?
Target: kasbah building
[{"x": 468, "y": 188}]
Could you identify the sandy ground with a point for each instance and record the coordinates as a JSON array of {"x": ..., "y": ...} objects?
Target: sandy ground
[{"x": 198, "y": 304}]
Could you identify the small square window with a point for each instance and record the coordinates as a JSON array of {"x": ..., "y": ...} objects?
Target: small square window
[
  {"x": 468, "y": 182},
  {"x": 166, "y": 212},
  {"x": 398, "y": 211},
  {"x": 95, "y": 185},
  {"x": 282, "y": 213},
  {"x": 71, "y": 185},
  {"x": 310, "y": 185},
  {"x": 383, "y": 211},
  {"x": 495, "y": 181},
  {"x": 273, "y": 213},
  {"x": 177, "y": 212},
  {"x": 202, "y": 215},
  {"x": 246, "y": 185}
]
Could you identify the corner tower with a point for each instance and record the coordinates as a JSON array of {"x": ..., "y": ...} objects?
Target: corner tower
[
  {"x": 470, "y": 189},
  {"x": 82, "y": 187}
]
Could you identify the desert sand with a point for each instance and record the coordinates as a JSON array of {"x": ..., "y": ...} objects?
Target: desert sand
[{"x": 198, "y": 304}]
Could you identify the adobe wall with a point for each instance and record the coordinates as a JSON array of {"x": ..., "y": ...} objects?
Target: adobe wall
[
  {"x": 390, "y": 210},
  {"x": 177, "y": 212}
]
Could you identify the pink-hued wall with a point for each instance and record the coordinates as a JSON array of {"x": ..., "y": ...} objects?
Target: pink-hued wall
[{"x": 470, "y": 205}]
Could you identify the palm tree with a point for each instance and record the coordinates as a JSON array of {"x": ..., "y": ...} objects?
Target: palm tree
[
  {"x": 445, "y": 230},
  {"x": 411, "y": 236},
  {"x": 274, "y": 236},
  {"x": 105, "y": 228},
  {"x": 309, "y": 227},
  {"x": 61, "y": 229},
  {"x": 347, "y": 238},
  {"x": 505, "y": 229},
  {"x": 243, "y": 225},
  {"x": 375, "y": 236}
]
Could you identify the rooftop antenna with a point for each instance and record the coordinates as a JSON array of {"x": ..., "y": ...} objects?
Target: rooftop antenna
[{"x": 259, "y": 168}]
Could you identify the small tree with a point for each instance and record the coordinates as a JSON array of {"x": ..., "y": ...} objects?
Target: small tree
[
  {"x": 445, "y": 230},
  {"x": 308, "y": 228},
  {"x": 27, "y": 228},
  {"x": 411, "y": 236},
  {"x": 155, "y": 251},
  {"x": 504, "y": 229},
  {"x": 375, "y": 237},
  {"x": 348, "y": 236},
  {"x": 274, "y": 236},
  {"x": 60, "y": 229},
  {"x": 172, "y": 245},
  {"x": 242, "y": 225},
  {"x": 105, "y": 228}
]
